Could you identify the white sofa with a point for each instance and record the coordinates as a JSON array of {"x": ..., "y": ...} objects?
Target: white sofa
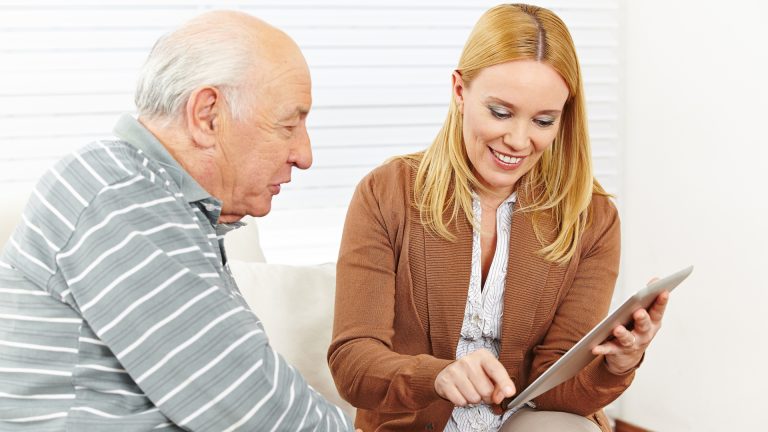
[{"x": 295, "y": 303}]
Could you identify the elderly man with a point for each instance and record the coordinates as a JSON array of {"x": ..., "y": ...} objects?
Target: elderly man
[{"x": 117, "y": 309}]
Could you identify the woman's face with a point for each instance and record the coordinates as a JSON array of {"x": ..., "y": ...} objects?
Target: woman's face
[{"x": 511, "y": 114}]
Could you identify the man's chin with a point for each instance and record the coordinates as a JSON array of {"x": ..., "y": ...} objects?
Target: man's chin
[
  {"x": 261, "y": 209},
  {"x": 228, "y": 219}
]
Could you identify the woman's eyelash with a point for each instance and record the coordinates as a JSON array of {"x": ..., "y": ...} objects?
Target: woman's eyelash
[
  {"x": 500, "y": 114},
  {"x": 544, "y": 123},
  {"x": 503, "y": 114}
]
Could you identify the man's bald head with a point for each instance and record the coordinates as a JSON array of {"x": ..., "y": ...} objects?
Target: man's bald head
[{"x": 222, "y": 49}]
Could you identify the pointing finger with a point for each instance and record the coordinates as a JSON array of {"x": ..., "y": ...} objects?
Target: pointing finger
[{"x": 502, "y": 382}]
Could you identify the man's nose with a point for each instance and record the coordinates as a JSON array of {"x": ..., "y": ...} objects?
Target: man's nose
[{"x": 301, "y": 156}]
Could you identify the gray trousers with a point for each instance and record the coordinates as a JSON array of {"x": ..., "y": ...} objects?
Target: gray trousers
[{"x": 531, "y": 420}]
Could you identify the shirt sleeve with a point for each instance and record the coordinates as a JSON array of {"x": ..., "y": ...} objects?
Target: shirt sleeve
[
  {"x": 585, "y": 304},
  {"x": 139, "y": 269}
]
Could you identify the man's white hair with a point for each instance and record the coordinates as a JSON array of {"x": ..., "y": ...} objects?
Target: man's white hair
[{"x": 190, "y": 58}]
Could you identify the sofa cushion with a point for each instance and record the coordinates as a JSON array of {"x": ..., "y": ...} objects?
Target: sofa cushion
[
  {"x": 295, "y": 304},
  {"x": 243, "y": 243},
  {"x": 14, "y": 201}
]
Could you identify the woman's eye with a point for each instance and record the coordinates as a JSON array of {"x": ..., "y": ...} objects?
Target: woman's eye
[
  {"x": 500, "y": 113},
  {"x": 544, "y": 122}
]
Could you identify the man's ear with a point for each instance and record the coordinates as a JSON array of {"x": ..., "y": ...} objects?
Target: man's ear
[
  {"x": 204, "y": 111},
  {"x": 458, "y": 89}
]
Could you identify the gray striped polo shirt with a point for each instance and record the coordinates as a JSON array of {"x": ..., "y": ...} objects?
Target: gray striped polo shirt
[{"x": 118, "y": 312}]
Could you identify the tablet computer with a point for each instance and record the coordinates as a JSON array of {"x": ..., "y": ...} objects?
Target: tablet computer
[{"x": 580, "y": 354}]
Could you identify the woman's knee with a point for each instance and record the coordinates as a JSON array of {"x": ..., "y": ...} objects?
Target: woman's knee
[{"x": 531, "y": 420}]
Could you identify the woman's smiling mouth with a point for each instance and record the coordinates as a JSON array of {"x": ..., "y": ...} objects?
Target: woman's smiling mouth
[{"x": 505, "y": 160}]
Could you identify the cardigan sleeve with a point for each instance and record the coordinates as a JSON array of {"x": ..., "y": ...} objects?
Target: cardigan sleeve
[
  {"x": 367, "y": 372},
  {"x": 585, "y": 304}
]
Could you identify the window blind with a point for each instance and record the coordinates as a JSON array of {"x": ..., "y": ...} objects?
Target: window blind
[{"x": 381, "y": 85}]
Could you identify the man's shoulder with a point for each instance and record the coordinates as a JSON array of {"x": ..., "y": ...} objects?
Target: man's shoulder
[
  {"x": 60, "y": 198},
  {"x": 106, "y": 161},
  {"x": 91, "y": 168},
  {"x": 76, "y": 180}
]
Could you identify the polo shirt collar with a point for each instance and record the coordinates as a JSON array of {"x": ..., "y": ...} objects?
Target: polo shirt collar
[{"x": 133, "y": 132}]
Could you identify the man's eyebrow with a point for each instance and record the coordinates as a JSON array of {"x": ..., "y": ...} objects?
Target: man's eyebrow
[
  {"x": 553, "y": 112},
  {"x": 300, "y": 112}
]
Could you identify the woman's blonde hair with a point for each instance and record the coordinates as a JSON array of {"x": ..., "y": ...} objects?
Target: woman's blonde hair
[{"x": 561, "y": 184}]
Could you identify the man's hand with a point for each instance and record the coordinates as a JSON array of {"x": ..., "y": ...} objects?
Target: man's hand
[{"x": 474, "y": 378}]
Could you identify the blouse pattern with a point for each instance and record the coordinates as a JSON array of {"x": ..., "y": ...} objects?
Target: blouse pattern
[{"x": 481, "y": 327}]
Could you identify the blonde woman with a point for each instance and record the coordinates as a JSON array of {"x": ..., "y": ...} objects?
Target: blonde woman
[{"x": 467, "y": 269}]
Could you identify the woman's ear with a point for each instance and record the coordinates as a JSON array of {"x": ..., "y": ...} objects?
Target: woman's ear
[
  {"x": 203, "y": 114},
  {"x": 458, "y": 90}
]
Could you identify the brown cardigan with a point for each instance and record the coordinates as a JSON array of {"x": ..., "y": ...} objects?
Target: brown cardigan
[{"x": 400, "y": 298}]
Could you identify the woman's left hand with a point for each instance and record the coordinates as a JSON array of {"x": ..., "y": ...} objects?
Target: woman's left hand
[{"x": 625, "y": 351}]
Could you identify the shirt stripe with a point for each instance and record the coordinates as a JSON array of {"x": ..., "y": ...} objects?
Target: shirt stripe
[
  {"x": 162, "y": 323},
  {"x": 37, "y": 347},
  {"x": 207, "y": 367},
  {"x": 35, "y": 418},
  {"x": 53, "y": 209}
]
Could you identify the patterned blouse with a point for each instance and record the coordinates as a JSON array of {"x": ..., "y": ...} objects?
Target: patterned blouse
[{"x": 482, "y": 315}]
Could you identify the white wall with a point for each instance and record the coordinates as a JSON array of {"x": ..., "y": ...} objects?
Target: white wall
[{"x": 695, "y": 188}]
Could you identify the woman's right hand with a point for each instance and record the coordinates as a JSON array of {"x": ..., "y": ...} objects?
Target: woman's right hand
[{"x": 474, "y": 378}]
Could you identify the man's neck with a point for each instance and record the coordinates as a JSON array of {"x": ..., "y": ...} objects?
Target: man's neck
[{"x": 196, "y": 161}]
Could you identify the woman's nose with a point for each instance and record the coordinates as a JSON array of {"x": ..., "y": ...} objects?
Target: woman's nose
[{"x": 517, "y": 136}]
